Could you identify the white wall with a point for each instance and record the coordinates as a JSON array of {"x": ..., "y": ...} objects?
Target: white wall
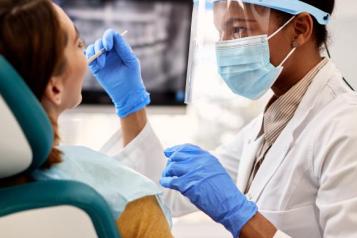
[{"x": 343, "y": 41}]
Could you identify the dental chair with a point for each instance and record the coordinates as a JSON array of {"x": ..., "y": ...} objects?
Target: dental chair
[{"x": 40, "y": 209}]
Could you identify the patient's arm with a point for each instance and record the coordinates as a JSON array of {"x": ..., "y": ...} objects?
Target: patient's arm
[
  {"x": 143, "y": 218},
  {"x": 133, "y": 125}
]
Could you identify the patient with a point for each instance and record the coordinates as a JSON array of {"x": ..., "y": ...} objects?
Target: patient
[{"x": 43, "y": 45}]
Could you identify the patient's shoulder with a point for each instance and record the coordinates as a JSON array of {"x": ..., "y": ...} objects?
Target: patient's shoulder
[
  {"x": 144, "y": 218},
  {"x": 117, "y": 183}
]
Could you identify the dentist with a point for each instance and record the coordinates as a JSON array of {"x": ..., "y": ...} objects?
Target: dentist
[{"x": 290, "y": 172}]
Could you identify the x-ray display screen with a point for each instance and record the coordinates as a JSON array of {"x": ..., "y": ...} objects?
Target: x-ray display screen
[{"x": 158, "y": 32}]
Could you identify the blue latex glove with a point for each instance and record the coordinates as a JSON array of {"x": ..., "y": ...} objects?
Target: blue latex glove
[
  {"x": 199, "y": 176},
  {"x": 118, "y": 72}
]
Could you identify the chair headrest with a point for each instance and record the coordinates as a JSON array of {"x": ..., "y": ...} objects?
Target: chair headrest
[{"x": 26, "y": 132}]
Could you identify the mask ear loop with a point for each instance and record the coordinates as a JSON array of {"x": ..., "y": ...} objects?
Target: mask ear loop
[
  {"x": 280, "y": 28},
  {"x": 294, "y": 44},
  {"x": 287, "y": 57}
]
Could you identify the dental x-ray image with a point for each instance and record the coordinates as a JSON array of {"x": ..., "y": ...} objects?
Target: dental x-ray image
[{"x": 158, "y": 32}]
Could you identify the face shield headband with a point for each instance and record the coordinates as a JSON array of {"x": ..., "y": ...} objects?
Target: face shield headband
[{"x": 293, "y": 7}]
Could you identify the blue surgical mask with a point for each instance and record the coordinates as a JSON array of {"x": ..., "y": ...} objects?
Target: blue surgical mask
[{"x": 244, "y": 64}]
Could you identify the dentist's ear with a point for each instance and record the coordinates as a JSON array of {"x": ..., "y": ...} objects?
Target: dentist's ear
[
  {"x": 303, "y": 28},
  {"x": 54, "y": 91}
]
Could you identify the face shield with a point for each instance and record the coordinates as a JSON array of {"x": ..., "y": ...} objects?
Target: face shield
[
  {"x": 229, "y": 41},
  {"x": 214, "y": 23}
]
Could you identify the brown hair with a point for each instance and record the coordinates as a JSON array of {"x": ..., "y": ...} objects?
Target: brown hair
[{"x": 32, "y": 40}]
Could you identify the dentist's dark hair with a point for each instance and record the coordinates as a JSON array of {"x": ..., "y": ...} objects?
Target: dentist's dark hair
[
  {"x": 320, "y": 31},
  {"x": 32, "y": 40}
]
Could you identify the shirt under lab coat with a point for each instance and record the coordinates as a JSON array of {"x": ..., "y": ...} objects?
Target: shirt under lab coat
[{"x": 306, "y": 185}]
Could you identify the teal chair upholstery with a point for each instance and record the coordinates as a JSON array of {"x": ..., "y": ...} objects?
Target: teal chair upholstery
[{"x": 40, "y": 209}]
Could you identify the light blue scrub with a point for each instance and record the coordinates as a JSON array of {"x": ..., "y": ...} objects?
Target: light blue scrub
[{"x": 117, "y": 183}]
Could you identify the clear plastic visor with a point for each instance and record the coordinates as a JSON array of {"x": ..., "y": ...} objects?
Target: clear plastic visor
[
  {"x": 235, "y": 19},
  {"x": 213, "y": 22}
]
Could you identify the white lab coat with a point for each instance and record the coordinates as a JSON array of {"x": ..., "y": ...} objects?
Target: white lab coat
[{"x": 305, "y": 186}]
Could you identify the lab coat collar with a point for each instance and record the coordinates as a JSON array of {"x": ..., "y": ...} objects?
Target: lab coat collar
[
  {"x": 246, "y": 164},
  {"x": 306, "y": 109},
  {"x": 253, "y": 143}
]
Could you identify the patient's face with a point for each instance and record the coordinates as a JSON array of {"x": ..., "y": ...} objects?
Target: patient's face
[{"x": 76, "y": 64}]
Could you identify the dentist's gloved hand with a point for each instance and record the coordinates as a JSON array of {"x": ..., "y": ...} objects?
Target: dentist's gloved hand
[
  {"x": 118, "y": 72},
  {"x": 199, "y": 176}
]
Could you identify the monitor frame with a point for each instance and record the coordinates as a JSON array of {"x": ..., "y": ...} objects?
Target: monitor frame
[{"x": 167, "y": 98}]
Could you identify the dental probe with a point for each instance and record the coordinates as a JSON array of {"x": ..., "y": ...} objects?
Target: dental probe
[{"x": 102, "y": 51}]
